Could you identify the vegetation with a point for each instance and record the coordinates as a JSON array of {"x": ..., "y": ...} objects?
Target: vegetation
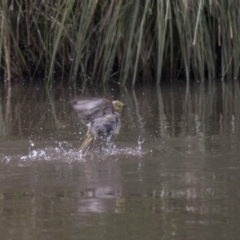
[{"x": 96, "y": 40}]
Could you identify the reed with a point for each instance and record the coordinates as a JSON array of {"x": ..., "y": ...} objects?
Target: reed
[{"x": 93, "y": 41}]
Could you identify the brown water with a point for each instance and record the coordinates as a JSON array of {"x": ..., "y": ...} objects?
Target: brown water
[{"x": 174, "y": 172}]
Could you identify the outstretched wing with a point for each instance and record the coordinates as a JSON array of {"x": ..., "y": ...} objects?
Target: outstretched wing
[{"x": 90, "y": 109}]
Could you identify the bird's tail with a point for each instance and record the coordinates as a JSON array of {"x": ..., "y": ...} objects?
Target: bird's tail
[{"x": 87, "y": 144}]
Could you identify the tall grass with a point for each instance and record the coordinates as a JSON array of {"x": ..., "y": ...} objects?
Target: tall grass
[{"x": 136, "y": 41}]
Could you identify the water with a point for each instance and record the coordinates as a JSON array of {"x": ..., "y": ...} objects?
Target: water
[{"x": 173, "y": 172}]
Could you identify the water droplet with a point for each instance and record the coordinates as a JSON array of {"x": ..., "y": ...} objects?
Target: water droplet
[{"x": 141, "y": 140}]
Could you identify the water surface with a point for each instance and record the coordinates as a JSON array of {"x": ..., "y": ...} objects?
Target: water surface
[{"x": 173, "y": 172}]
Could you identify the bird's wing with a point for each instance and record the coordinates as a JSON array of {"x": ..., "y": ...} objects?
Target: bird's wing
[{"x": 93, "y": 108}]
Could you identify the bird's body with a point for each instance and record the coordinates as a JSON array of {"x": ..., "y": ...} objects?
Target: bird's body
[
  {"x": 101, "y": 129},
  {"x": 104, "y": 120}
]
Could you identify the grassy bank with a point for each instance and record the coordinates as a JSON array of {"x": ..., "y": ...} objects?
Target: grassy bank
[{"x": 96, "y": 40}]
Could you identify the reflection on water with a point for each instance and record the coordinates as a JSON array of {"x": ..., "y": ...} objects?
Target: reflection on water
[{"x": 173, "y": 172}]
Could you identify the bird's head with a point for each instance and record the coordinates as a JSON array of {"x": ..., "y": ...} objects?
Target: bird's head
[{"x": 118, "y": 106}]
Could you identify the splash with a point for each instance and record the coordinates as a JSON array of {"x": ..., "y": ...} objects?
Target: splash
[{"x": 66, "y": 151}]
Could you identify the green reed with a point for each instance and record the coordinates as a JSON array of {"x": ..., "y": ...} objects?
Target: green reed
[{"x": 96, "y": 40}]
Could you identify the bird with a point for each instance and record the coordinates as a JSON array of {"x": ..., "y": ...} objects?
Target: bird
[{"x": 104, "y": 120}]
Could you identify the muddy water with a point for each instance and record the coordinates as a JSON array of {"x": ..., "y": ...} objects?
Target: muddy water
[{"x": 173, "y": 173}]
